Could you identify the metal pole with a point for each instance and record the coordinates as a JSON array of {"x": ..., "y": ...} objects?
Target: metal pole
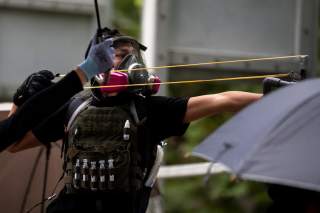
[{"x": 97, "y": 14}]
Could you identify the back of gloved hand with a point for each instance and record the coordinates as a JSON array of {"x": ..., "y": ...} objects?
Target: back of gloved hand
[
  {"x": 100, "y": 58},
  {"x": 32, "y": 85}
]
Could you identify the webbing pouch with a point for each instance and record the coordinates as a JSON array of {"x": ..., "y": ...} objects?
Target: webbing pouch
[{"x": 101, "y": 149}]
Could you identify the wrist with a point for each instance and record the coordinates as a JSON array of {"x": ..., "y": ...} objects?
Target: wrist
[
  {"x": 82, "y": 76},
  {"x": 89, "y": 68},
  {"x": 13, "y": 109}
]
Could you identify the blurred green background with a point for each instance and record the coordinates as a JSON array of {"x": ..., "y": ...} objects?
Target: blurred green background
[{"x": 220, "y": 194}]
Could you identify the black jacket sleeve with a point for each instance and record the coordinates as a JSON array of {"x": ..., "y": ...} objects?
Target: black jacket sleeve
[
  {"x": 52, "y": 128},
  {"x": 38, "y": 108}
]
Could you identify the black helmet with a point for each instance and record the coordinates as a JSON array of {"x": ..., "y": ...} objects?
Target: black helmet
[{"x": 106, "y": 33}]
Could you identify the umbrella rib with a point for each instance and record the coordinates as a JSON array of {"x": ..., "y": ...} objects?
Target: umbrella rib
[{"x": 30, "y": 180}]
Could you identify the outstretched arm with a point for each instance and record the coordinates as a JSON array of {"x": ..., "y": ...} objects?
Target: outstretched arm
[{"x": 206, "y": 105}]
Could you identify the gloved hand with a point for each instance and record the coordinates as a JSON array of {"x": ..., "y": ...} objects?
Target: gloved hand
[
  {"x": 100, "y": 58},
  {"x": 32, "y": 85}
]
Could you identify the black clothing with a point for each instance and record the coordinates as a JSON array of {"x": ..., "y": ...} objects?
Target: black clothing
[
  {"x": 35, "y": 83},
  {"x": 295, "y": 200},
  {"x": 93, "y": 203},
  {"x": 164, "y": 115},
  {"x": 37, "y": 108},
  {"x": 52, "y": 128},
  {"x": 164, "y": 119}
]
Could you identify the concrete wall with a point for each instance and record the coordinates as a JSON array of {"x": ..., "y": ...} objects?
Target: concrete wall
[
  {"x": 43, "y": 34},
  {"x": 188, "y": 31}
]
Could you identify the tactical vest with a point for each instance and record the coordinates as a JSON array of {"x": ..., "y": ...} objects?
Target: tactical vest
[{"x": 101, "y": 153}]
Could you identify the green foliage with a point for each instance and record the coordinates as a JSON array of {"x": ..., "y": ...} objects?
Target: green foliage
[
  {"x": 219, "y": 194},
  {"x": 127, "y": 17}
]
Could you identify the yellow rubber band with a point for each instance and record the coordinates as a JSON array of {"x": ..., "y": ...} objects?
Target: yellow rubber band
[
  {"x": 216, "y": 62},
  {"x": 193, "y": 81},
  {"x": 212, "y": 63}
]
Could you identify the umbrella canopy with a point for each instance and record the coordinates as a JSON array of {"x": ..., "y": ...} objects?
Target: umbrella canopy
[{"x": 274, "y": 140}]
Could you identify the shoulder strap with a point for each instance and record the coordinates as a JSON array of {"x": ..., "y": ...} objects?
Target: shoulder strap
[
  {"x": 133, "y": 111},
  {"x": 142, "y": 116},
  {"x": 79, "y": 108},
  {"x": 75, "y": 102}
]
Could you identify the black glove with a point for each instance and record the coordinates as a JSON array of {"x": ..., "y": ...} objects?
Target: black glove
[{"x": 32, "y": 85}]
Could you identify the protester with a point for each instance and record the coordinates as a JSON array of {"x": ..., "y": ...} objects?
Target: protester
[{"x": 112, "y": 135}]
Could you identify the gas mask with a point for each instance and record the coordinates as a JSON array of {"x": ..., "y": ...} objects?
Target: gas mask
[
  {"x": 138, "y": 74},
  {"x": 131, "y": 72}
]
